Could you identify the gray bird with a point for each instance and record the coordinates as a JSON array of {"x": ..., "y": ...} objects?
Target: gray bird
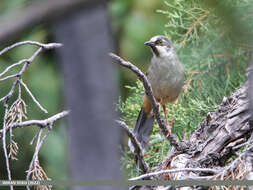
[{"x": 166, "y": 76}]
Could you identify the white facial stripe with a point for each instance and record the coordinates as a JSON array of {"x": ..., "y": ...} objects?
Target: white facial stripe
[
  {"x": 153, "y": 39},
  {"x": 162, "y": 50}
]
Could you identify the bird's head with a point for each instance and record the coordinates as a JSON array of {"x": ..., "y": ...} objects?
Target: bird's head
[{"x": 161, "y": 45}]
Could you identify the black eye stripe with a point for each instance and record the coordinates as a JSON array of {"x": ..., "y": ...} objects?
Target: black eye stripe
[{"x": 159, "y": 41}]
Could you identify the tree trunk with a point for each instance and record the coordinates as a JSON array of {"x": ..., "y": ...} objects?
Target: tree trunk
[{"x": 90, "y": 89}]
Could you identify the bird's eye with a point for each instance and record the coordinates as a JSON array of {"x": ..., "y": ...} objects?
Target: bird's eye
[{"x": 159, "y": 42}]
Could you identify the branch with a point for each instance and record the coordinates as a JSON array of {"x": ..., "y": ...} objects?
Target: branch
[
  {"x": 45, "y": 46},
  {"x": 155, "y": 106},
  {"x": 8, "y": 77},
  {"x": 13, "y": 65},
  {"x": 235, "y": 164},
  {"x": 32, "y": 96},
  {"x": 148, "y": 175},
  {"x": 15, "y": 114},
  {"x": 4, "y": 145},
  {"x": 137, "y": 147},
  {"x": 34, "y": 167},
  {"x": 28, "y": 61},
  {"x": 39, "y": 123}
]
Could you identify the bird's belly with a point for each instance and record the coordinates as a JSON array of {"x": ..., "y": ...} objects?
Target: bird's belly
[
  {"x": 166, "y": 89},
  {"x": 165, "y": 93}
]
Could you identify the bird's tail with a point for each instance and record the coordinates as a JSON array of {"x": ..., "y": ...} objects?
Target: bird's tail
[{"x": 143, "y": 129}]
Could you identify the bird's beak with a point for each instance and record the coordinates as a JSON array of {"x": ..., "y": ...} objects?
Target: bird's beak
[{"x": 149, "y": 43}]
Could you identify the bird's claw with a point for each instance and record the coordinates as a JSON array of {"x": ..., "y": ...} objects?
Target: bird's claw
[{"x": 169, "y": 131}]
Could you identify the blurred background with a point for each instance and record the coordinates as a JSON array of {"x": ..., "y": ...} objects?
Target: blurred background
[{"x": 211, "y": 39}]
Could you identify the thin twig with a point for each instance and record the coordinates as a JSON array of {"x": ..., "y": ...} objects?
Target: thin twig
[
  {"x": 20, "y": 74},
  {"x": 234, "y": 164},
  {"x": 4, "y": 144},
  {"x": 45, "y": 46},
  {"x": 28, "y": 61},
  {"x": 35, "y": 136},
  {"x": 137, "y": 147},
  {"x": 235, "y": 148},
  {"x": 13, "y": 65},
  {"x": 33, "y": 158},
  {"x": 8, "y": 124},
  {"x": 39, "y": 123},
  {"x": 155, "y": 106},
  {"x": 8, "y": 77},
  {"x": 34, "y": 161},
  {"x": 148, "y": 175},
  {"x": 7, "y": 97},
  {"x": 32, "y": 96}
]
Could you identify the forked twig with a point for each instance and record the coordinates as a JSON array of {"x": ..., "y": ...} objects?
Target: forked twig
[{"x": 13, "y": 115}]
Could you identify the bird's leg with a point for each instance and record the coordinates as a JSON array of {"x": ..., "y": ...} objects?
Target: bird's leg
[
  {"x": 166, "y": 120},
  {"x": 165, "y": 114}
]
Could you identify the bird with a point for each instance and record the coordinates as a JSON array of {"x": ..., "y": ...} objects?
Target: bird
[{"x": 166, "y": 75}]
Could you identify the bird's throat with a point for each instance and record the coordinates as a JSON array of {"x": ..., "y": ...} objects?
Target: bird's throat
[{"x": 154, "y": 49}]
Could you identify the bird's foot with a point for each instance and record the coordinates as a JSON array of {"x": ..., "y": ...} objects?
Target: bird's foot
[
  {"x": 169, "y": 131},
  {"x": 169, "y": 126}
]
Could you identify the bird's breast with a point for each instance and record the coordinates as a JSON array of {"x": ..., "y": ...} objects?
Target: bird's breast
[{"x": 166, "y": 77}]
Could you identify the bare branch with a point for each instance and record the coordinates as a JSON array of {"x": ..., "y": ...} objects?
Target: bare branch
[
  {"x": 20, "y": 74},
  {"x": 137, "y": 147},
  {"x": 35, "y": 136},
  {"x": 33, "y": 98},
  {"x": 31, "y": 59},
  {"x": 37, "y": 149},
  {"x": 13, "y": 116},
  {"x": 148, "y": 175},
  {"x": 235, "y": 148},
  {"x": 8, "y": 77},
  {"x": 235, "y": 163},
  {"x": 35, "y": 155},
  {"x": 4, "y": 144},
  {"x": 34, "y": 168},
  {"x": 40, "y": 123},
  {"x": 7, "y": 97},
  {"x": 13, "y": 65},
  {"x": 155, "y": 105},
  {"x": 28, "y": 61},
  {"x": 45, "y": 46}
]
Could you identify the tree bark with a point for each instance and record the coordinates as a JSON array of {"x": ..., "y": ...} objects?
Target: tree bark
[{"x": 215, "y": 141}]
